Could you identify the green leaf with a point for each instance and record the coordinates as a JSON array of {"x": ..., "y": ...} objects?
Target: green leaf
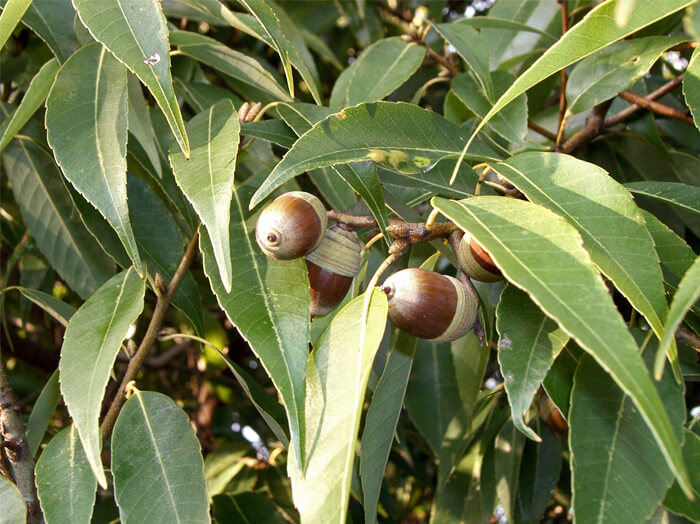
[
  {"x": 235, "y": 64},
  {"x": 157, "y": 463},
  {"x": 246, "y": 507},
  {"x": 595, "y": 31},
  {"x": 381, "y": 420},
  {"x": 200, "y": 96},
  {"x": 162, "y": 247},
  {"x": 337, "y": 374},
  {"x": 494, "y": 22},
  {"x": 65, "y": 483},
  {"x": 528, "y": 344},
  {"x": 9, "y": 18},
  {"x": 508, "y": 452},
  {"x": 49, "y": 212},
  {"x": 42, "y": 412},
  {"x": 381, "y": 69},
  {"x": 684, "y": 196},
  {"x": 87, "y": 130},
  {"x": 92, "y": 340},
  {"x": 33, "y": 99},
  {"x": 541, "y": 253},
  {"x": 500, "y": 38},
  {"x": 607, "y": 218},
  {"x": 135, "y": 31},
  {"x": 140, "y": 123},
  {"x": 206, "y": 178},
  {"x": 399, "y": 136},
  {"x": 615, "y": 68},
  {"x": 222, "y": 465},
  {"x": 275, "y": 131},
  {"x": 691, "y": 85},
  {"x": 53, "y": 22},
  {"x": 14, "y": 507},
  {"x": 289, "y": 43},
  {"x": 54, "y": 307},
  {"x": 675, "y": 500},
  {"x": 269, "y": 305},
  {"x": 673, "y": 252},
  {"x": 474, "y": 50},
  {"x": 624, "y": 448},
  {"x": 686, "y": 295}
]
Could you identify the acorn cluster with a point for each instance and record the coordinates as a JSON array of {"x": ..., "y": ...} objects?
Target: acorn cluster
[{"x": 423, "y": 303}]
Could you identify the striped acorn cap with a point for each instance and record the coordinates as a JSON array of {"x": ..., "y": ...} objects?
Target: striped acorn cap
[{"x": 476, "y": 262}]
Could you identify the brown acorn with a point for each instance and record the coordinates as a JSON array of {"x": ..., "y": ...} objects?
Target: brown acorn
[
  {"x": 476, "y": 262},
  {"x": 332, "y": 266},
  {"x": 291, "y": 226},
  {"x": 429, "y": 305}
]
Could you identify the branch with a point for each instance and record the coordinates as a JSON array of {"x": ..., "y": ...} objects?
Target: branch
[
  {"x": 150, "y": 337},
  {"x": 656, "y": 107},
  {"x": 542, "y": 131},
  {"x": 595, "y": 125},
  {"x": 16, "y": 448},
  {"x": 443, "y": 61},
  {"x": 562, "y": 92}
]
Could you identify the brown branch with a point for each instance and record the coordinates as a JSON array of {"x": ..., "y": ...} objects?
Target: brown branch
[
  {"x": 595, "y": 125},
  {"x": 542, "y": 131},
  {"x": 150, "y": 336},
  {"x": 634, "y": 108},
  {"x": 16, "y": 448},
  {"x": 688, "y": 338},
  {"x": 442, "y": 60},
  {"x": 656, "y": 107}
]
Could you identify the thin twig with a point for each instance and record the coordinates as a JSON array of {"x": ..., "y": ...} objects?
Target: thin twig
[
  {"x": 634, "y": 108},
  {"x": 562, "y": 93},
  {"x": 542, "y": 131},
  {"x": 656, "y": 107},
  {"x": 595, "y": 125},
  {"x": 16, "y": 448},
  {"x": 442, "y": 60},
  {"x": 150, "y": 337},
  {"x": 688, "y": 338}
]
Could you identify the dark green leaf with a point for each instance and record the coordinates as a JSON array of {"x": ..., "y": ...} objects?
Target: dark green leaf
[
  {"x": 691, "y": 85},
  {"x": 140, "y": 123},
  {"x": 682, "y": 195},
  {"x": 675, "y": 500},
  {"x": 508, "y": 452},
  {"x": 42, "y": 412},
  {"x": 673, "y": 252},
  {"x": 53, "y": 22},
  {"x": 54, "y": 307},
  {"x": 274, "y": 131},
  {"x": 14, "y": 507},
  {"x": 246, "y": 507},
  {"x": 687, "y": 294}
]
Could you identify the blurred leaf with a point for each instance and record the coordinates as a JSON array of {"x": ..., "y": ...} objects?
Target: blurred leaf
[
  {"x": 31, "y": 101},
  {"x": 140, "y": 123},
  {"x": 675, "y": 500},
  {"x": 608, "y": 220},
  {"x": 615, "y": 68},
  {"x": 53, "y": 22},
  {"x": 42, "y": 412},
  {"x": 474, "y": 50},
  {"x": 508, "y": 453},
  {"x": 87, "y": 129},
  {"x": 624, "y": 476},
  {"x": 64, "y": 481},
  {"x": 560, "y": 377},
  {"x": 48, "y": 211},
  {"x": 501, "y": 37},
  {"x": 528, "y": 344},
  {"x": 246, "y": 507},
  {"x": 162, "y": 247},
  {"x": 541, "y": 253},
  {"x": 337, "y": 374},
  {"x": 14, "y": 507},
  {"x": 399, "y": 136},
  {"x": 494, "y": 22},
  {"x": 687, "y": 294},
  {"x": 595, "y": 31},
  {"x": 90, "y": 345},
  {"x": 682, "y": 195},
  {"x": 9, "y": 18},
  {"x": 691, "y": 84},
  {"x": 381, "y": 420},
  {"x": 269, "y": 305},
  {"x": 222, "y": 464},
  {"x": 381, "y": 69},
  {"x": 157, "y": 463},
  {"x": 237, "y": 65},
  {"x": 206, "y": 177},
  {"x": 673, "y": 252},
  {"x": 135, "y": 32}
]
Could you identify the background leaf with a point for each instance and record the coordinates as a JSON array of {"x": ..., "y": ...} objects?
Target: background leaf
[
  {"x": 135, "y": 31},
  {"x": 64, "y": 480},
  {"x": 687, "y": 294},
  {"x": 675, "y": 500},
  {"x": 53, "y": 22},
  {"x": 87, "y": 130},
  {"x": 681, "y": 195},
  {"x": 90, "y": 347},
  {"x": 246, "y": 507},
  {"x": 156, "y": 458},
  {"x": 541, "y": 253},
  {"x": 42, "y": 412},
  {"x": 206, "y": 178},
  {"x": 691, "y": 86},
  {"x": 15, "y": 509}
]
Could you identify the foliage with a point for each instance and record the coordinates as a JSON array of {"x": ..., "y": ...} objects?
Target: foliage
[{"x": 139, "y": 141}]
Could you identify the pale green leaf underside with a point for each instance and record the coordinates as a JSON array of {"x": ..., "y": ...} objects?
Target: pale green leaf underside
[
  {"x": 528, "y": 344},
  {"x": 65, "y": 483},
  {"x": 14, "y": 507},
  {"x": 86, "y": 127},
  {"x": 157, "y": 463},
  {"x": 542, "y": 254},
  {"x": 48, "y": 210},
  {"x": 691, "y": 86},
  {"x": 337, "y": 374},
  {"x": 42, "y": 412},
  {"x": 206, "y": 178},
  {"x": 90, "y": 346},
  {"x": 269, "y": 305},
  {"x": 136, "y": 32},
  {"x": 684, "y": 196},
  {"x": 686, "y": 295},
  {"x": 399, "y": 136}
]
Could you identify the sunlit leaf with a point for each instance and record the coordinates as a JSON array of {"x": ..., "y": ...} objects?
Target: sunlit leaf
[
  {"x": 9, "y": 18},
  {"x": 691, "y": 85}
]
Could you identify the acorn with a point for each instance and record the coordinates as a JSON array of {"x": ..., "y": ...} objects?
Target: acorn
[
  {"x": 429, "y": 305},
  {"x": 476, "y": 262},
  {"x": 291, "y": 226},
  {"x": 332, "y": 266}
]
